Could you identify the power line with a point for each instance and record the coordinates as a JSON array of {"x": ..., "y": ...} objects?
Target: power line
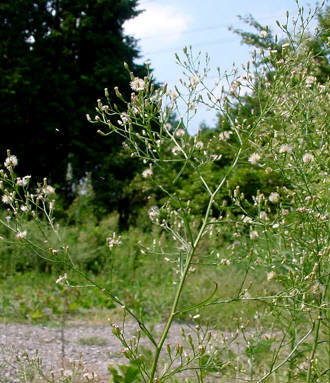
[
  {"x": 184, "y": 32},
  {"x": 194, "y": 30},
  {"x": 148, "y": 1},
  {"x": 201, "y": 44}
]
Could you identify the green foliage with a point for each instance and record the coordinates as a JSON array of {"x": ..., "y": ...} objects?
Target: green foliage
[
  {"x": 125, "y": 373},
  {"x": 56, "y": 57}
]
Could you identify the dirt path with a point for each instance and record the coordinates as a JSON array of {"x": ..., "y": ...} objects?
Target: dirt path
[{"x": 95, "y": 346}]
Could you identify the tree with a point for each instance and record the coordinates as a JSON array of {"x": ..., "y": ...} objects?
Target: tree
[{"x": 56, "y": 58}]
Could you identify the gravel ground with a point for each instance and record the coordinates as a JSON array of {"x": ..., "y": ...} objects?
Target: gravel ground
[{"x": 47, "y": 341}]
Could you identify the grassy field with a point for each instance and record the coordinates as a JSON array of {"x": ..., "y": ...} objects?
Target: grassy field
[{"x": 34, "y": 297}]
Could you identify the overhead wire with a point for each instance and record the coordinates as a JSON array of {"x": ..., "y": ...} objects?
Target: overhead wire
[
  {"x": 194, "y": 30},
  {"x": 201, "y": 44},
  {"x": 185, "y": 32}
]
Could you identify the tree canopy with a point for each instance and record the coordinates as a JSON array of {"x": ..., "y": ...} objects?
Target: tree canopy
[{"x": 56, "y": 58}]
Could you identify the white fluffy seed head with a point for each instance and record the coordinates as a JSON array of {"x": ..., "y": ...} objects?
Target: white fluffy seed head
[
  {"x": 254, "y": 158},
  {"x": 307, "y": 158}
]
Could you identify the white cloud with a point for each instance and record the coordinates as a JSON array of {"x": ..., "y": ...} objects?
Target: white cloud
[{"x": 162, "y": 22}]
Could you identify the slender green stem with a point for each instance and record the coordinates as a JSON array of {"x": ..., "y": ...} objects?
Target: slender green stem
[
  {"x": 185, "y": 271},
  {"x": 171, "y": 317},
  {"x": 179, "y": 292},
  {"x": 317, "y": 332},
  {"x": 312, "y": 355},
  {"x": 273, "y": 370}
]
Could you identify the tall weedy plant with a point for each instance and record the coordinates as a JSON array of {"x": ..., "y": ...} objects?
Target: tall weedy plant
[{"x": 284, "y": 233}]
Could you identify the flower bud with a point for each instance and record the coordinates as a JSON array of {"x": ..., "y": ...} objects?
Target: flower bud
[{"x": 179, "y": 349}]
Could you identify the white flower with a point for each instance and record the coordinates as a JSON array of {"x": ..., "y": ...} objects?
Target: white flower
[
  {"x": 22, "y": 181},
  {"x": 173, "y": 94},
  {"x": 254, "y": 234},
  {"x": 225, "y": 261},
  {"x": 271, "y": 275},
  {"x": 11, "y": 162},
  {"x": 21, "y": 235},
  {"x": 194, "y": 81},
  {"x": 285, "y": 148},
  {"x": 274, "y": 197},
  {"x": 147, "y": 173},
  {"x": 263, "y": 215},
  {"x": 137, "y": 84},
  {"x": 48, "y": 189},
  {"x": 61, "y": 279},
  {"x": 233, "y": 86},
  {"x": 114, "y": 240},
  {"x": 308, "y": 157},
  {"x": 247, "y": 219},
  {"x": 263, "y": 34},
  {"x": 6, "y": 199},
  {"x": 254, "y": 158},
  {"x": 153, "y": 213},
  {"x": 24, "y": 208},
  {"x": 224, "y": 136},
  {"x": 199, "y": 145},
  {"x": 25, "y": 180},
  {"x": 124, "y": 118},
  {"x": 175, "y": 150},
  {"x": 180, "y": 133}
]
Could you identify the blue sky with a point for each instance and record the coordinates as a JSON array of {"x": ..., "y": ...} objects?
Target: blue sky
[{"x": 166, "y": 26}]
